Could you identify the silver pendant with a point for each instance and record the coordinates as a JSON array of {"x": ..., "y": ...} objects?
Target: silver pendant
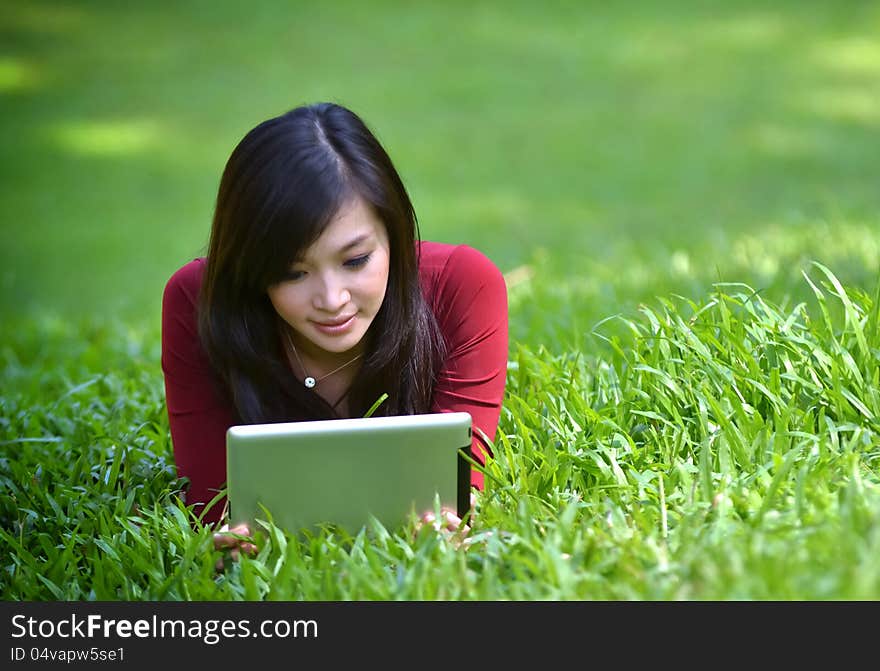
[{"x": 309, "y": 382}]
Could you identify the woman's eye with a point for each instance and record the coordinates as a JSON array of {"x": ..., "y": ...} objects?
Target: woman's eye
[
  {"x": 294, "y": 275},
  {"x": 357, "y": 262}
]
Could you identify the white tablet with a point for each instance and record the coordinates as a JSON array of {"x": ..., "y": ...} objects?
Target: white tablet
[{"x": 342, "y": 471}]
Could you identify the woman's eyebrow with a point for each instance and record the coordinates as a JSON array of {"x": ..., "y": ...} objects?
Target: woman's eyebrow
[{"x": 354, "y": 242}]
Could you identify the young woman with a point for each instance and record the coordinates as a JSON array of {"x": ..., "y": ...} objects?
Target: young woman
[{"x": 317, "y": 296}]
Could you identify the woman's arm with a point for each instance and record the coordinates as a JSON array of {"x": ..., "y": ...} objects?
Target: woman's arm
[
  {"x": 197, "y": 414},
  {"x": 471, "y": 306}
]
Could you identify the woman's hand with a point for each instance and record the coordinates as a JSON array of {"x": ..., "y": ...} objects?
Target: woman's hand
[
  {"x": 448, "y": 521},
  {"x": 235, "y": 540}
]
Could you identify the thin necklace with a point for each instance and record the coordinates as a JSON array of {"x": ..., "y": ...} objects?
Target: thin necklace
[{"x": 309, "y": 381}]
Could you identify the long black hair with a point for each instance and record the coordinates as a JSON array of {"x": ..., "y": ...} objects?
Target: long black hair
[{"x": 281, "y": 187}]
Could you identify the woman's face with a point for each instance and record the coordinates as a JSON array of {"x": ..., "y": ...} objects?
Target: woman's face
[{"x": 332, "y": 294}]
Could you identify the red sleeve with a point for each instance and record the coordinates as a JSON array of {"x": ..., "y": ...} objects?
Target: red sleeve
[
  {"x": 197, "y": 414},
  {"x": 470, "y": 303}
]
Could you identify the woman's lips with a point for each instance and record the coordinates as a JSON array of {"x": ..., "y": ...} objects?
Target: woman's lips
[{"x": 335, "y": 329}]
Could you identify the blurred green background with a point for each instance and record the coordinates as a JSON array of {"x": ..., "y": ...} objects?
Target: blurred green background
[{"x": 600, "y": 153}]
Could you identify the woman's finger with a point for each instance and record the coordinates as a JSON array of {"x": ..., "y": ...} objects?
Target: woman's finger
[
  {"x": 223, "y": 541},
  {"x": 229, "y": 538},
  {"x": 450, "y": 519},
  {"x": 241, "y": 530}
]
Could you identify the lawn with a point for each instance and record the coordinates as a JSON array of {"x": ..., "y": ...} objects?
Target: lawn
[{"x": 682, "y": 196}]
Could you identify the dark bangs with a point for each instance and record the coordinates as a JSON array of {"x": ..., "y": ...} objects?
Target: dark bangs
[{"x": 289, "y": 198}]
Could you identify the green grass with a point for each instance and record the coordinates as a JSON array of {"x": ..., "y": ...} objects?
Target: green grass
[
  {"x": 721, "y": 449},
  {"x": 688, "y": 416}
]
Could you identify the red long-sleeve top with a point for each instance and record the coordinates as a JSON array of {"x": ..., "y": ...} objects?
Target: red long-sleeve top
[{"x": 464, "y": 289}]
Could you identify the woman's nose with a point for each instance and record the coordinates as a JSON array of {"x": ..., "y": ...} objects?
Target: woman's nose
[{"x": 332, "y": 296}]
